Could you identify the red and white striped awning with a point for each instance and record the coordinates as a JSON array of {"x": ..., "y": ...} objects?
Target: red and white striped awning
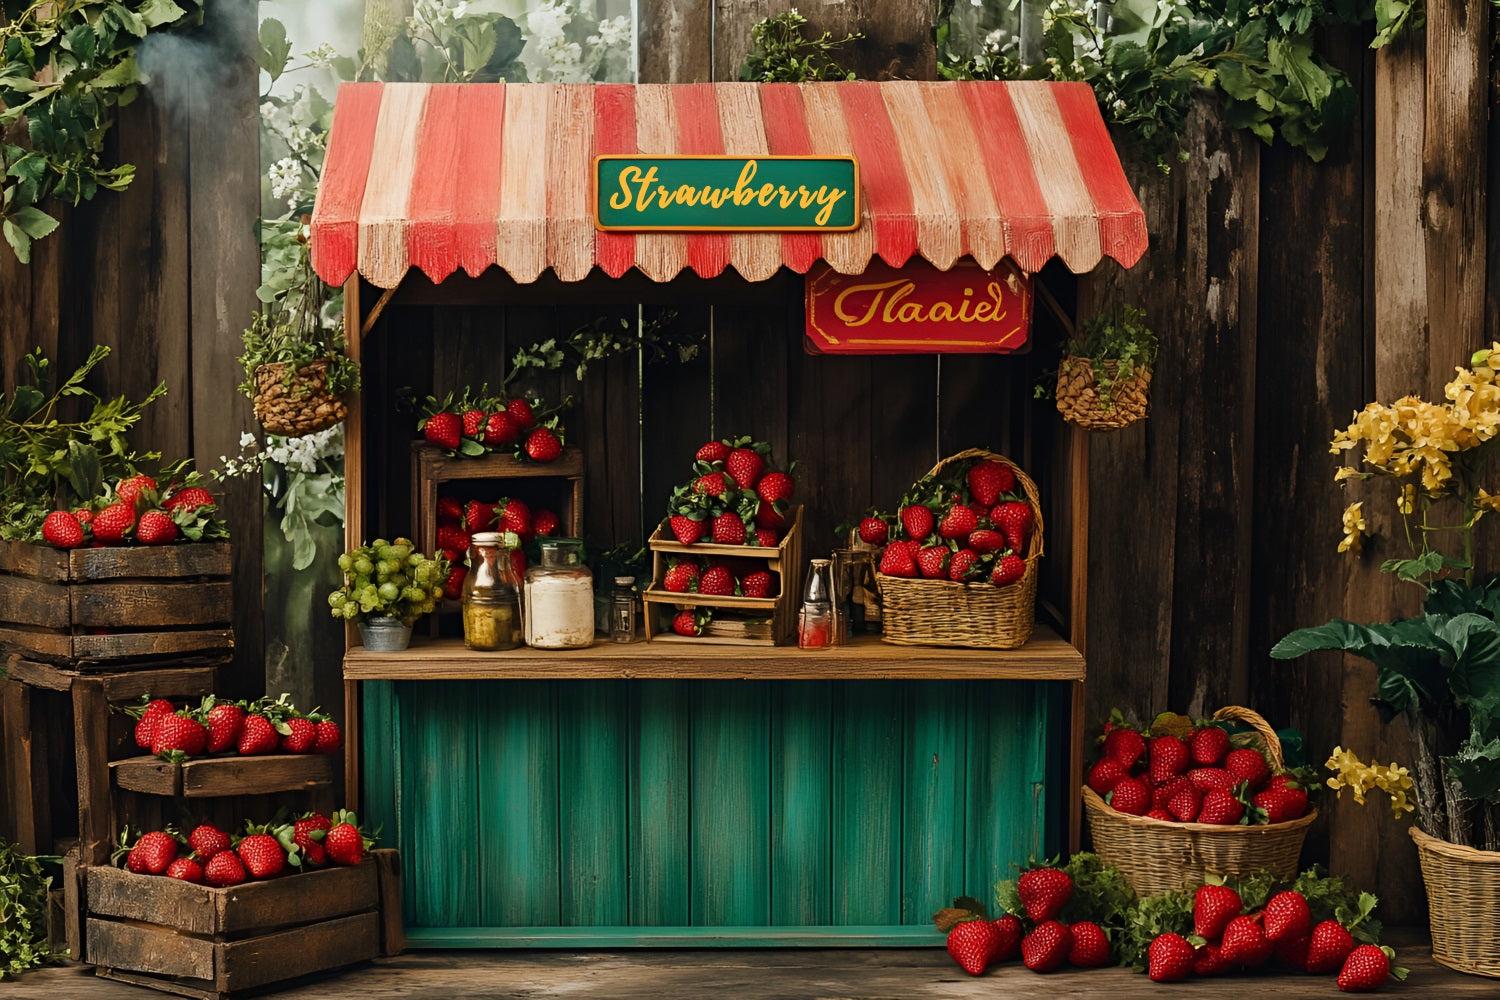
[{"x": 448, "y": 176}]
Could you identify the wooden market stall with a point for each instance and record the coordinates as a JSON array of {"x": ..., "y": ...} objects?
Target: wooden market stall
[{"x": 657, "y": 794}]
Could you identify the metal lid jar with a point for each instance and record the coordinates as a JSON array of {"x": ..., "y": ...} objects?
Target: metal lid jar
[
  {"x": 559, "y": 597},
  {"x": 491, "y": 607}
]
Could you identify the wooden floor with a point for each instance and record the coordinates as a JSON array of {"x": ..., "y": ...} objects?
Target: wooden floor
[{"x": 755, "y": 975}]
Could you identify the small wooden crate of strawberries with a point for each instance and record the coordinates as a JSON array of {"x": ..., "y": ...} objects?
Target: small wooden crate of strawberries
[{"x": 727, "y": 561}]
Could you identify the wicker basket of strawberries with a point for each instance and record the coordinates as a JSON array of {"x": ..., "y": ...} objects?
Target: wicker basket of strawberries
[
  {"x": 959, "y": 563},
  {"x": 1179, "y": 802}
]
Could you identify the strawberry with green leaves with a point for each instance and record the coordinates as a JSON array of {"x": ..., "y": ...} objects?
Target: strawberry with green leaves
[
  {"x": 1044, "y": 892},
  {"x": 756, "y": 584},
  {"x": 1213, "y": 907},
  {"x": 874, "y": 531},
  {"x": 444, "y": 429},
  {"x": 916, "y": 521},
  {"x": 224, "y": 721},
  {"x": 543, "y": 444},
  {"x": 1169, "y": 959},
  {"x": 988, "y": 479},
  {"x": 207, "y": 840},
  {"x": 178, "y": 736},
  {"x": 932, "y": 562},
  {"x": 1008, "y": 570},
  {"x": 1367, "y": 968},
  {"x": 746, "y": 462},
  {"x": 261, "y": 853},
  {"x": 224, "y": 869},
  {"x": 692, "y": 622},
  {"x": 112, "y": 524},
  {"x": 1286, "y": 916},
  {"x": 974, "y": 945},
  {"x": 1014, "y": 520},
  {"x": 345, "y": 841},
  {"x": 681, "y": 577},
  {"x": 308, "y": 833}
]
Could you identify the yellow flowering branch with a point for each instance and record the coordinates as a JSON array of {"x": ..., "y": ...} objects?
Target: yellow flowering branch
[{"x": 1354, "y": 774}]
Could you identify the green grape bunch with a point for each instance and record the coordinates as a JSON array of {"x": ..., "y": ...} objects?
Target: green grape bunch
[{"x": 388, "y": 578}]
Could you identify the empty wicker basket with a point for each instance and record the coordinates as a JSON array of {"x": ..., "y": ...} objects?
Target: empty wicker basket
[
  {"x": 1463, "y": 903},
  {"x": 1158, "y": 856}
]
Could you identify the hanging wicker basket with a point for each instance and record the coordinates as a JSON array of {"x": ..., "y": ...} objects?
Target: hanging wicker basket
[
  {"x": 1157, "y": 856},
  {"x": 1463, "y": 904},
  {"x": 921, "y": 612},
  {"x": 1079, "y": 402},
  {"x": 303, "y": 406}
]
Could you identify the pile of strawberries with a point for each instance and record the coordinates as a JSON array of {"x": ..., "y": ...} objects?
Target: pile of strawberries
[
  {"x": 245, "y": 728},
  {"x": 976, "y": 943},
  {"x": 734, "y": 498},
  {"x": 209, "y": 856},
  {"x": 458, "y": 520},
  {"x": 138, "y": 511},
  {"x": 475, "y": 423},
  {"x": 971, "y": 522},
  {"x": 1193, "y": 774}
]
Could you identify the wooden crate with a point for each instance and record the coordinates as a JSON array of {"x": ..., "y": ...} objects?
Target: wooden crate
[
  {"x": 785, "y": 561},
  {"x": 199, "y": 941},
  {"x": 217, "y": 777},
  {"x": 116, "y": 608},
  {"x": 559, "y": 482}
]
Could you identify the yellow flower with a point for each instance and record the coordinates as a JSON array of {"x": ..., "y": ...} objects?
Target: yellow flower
[
  {"x": 1352, "y": 773},
  {"x": 1406, "y": 498},
  {"x": 1354, "y": 528}
]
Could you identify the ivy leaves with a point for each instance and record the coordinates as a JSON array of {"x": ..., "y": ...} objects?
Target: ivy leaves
[{"x": 63, "y": 69}]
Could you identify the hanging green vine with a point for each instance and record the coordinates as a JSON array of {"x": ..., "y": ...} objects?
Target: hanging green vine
[{"x": 66, "y": 65}]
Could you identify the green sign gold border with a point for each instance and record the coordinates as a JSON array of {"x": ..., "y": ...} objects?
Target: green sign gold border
[{"x": 858, "y": 205}]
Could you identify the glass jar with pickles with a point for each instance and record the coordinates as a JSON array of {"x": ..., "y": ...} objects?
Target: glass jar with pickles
[{"x": 491, "y": 605}]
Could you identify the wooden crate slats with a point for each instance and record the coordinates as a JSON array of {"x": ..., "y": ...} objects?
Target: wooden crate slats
[
  {"x": 729, "y": 805},
  {"x": 518, "y": 793},
  {"x": 801, "y": 788},
  {"x": 147, "y": 948},
  {"x": 1006, "y": 776},
  {"x": 593, "y": 796},
  {"x": 271, "y": 958},
  {"x": 660, "y": 766},
  {"x": 388, "y": 874},
  {"x": 148, "y": 775},
  {"x": 26, "y": 769},
  {"x": 254, "y": 906},
  {"x": 113, "y": 605},
  {"x": 44, "y": 563},
  {"x": 157, "y": 645},
  {"x": 33, "y": 602},
  {"x": 221, "y": 776}
]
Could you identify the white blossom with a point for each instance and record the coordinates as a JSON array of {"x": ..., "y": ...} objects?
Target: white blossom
[{"x": 286, "y": 177}]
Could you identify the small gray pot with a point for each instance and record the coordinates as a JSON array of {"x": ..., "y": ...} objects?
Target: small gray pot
[{"x": 384, "y": 634}]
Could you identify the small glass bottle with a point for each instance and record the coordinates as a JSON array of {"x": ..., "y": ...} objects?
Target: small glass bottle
[
  {"x": 622, "y": 610},
  {"x": 558, "y": 600},
  {"x": 815, "y": 622},
  {"x": 491, "y": 610}
]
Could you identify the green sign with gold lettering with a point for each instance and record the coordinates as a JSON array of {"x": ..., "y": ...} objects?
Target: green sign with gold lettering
[{"x": 726, "y": 193}]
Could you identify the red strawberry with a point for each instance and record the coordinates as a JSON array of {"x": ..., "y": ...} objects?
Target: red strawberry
[
  {"x": 159, "y": 706},
  {"x": 157, "y": 851},
  {"x": 988, "y": 479},
  {"x": 774, "y": 487},
  {"x": 473, "y": 421},
  {"x": 1213, "y": 907},
  {"x": 131, "y": 488},
  {"x": 444, "y": 430},
  {"x": 933, "y": 562},
  {"x": 1184, "y": 804},
  {"x": 1207, "y": 778},
  {"x": 478, "y": 516},
  {"x": 345, "y": 844},
  {"x": 156, "y": 528},
  {"x": 873, "y": 530},
  {"x": 1170, "y": 958},
  {"x": 1014, "y": 521},
  {"x": 716, "y": 581},
  {"x": 1044, "y": 892},
  {"x": 515, "y": 516},
  {"x": 520, "y": 413},
  {"x": 207, "y": 840},
  {"x": 330, "y": 737},
  {"x": 1246, "y": 764},
  {"x": 1292, "y": 952},
  {"x": 1220, "y": 806},
  {"x": 686, "y": 623},
  {"x": 766, "y": 538},
  {"x": 224, "y": 868},
  {"x": 1130, "y": 796},
  {"x": 1208, "y": 745},
  {"x": 1245, "y": 943},
  {"x": 729, "y": 529},
  {"x": 500, "y": 429},
  {"x": 957, "y": 523},
  {"x": 1010, "y": 931},
  {"x": 545, "y": 522},
  {"x": 1366, "y": 969},
  {"x": 973, "y": 945},
  {"x": 1008, "y": 570},
  {"x": 1125, "y": 746},
  {"x": 136, "y": 860},
  {"x": 1162, "y": 794},
  {"x": 714, "y": 451},
  {"x": 262, "y": 855},
  {"x": 898, "y": 561},
  {"x": 757, "y": 584},
  {"x": 1090, "y": 948},
  {"x": 190, "y": 498},
  {"x": 308, "y": 833},
  {"x": 114, "y": 522},
  {"x": 1162, "y": 815},
  {"x": 451, "y": 536},
  {"x": 1328, "y": 946},
  {"x": 1282, "y": 804},
  {"x": 224, "y": 721},
  {"x": 1168, "y": 758},
  {"x": 1209, "y": 961},
  {"x": 453, "y": 586},
  {"x": 961, "y": 566},
  {"x": 917, "y": 520},
  {"x": 61, "y": 530},
  {"x": 179, "y": 732},
  {"x": 746, "y": 466},
  {"x": 257, "y": 736},
  {"x": 453, "y": 557},
  {"x": 681, "y": 578},
  {"x": 766, "y": 516},
  {"x": 187, "y": 870},
  {"x": 303, "y": 735},
  {"x": 1105, "y": 774},
  {"x": 1046, "y": 947},
  {"x": 84, "y": 515},
  {"x": 1286, "y": 916},
  {"x": 687, "y": 529},
  {"x": 714, "y": 484},
  {"x": 1279, "y": 781},
  {"x": 543, "y": 446},
  {"x": 449, "y": 510},
  {"x": 985, "y": 540}
]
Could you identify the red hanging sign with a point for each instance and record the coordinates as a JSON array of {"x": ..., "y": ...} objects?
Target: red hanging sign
[{"x": 918, "y": 309}]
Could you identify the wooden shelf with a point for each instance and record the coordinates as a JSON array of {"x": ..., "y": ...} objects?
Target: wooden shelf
[
  {"x": 1046, "y": 657},
  {"x": 215, "y": 777}
]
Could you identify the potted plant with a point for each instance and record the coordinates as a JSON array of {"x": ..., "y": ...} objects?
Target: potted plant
[
  {"x": 1104, "y": 377},
  {"x": 1441, "y": 668},
  {"x": 387, "y": 587},
  {"x": 296, "y": 366}
]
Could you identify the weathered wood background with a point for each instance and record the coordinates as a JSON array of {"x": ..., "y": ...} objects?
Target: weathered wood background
[{"x": 1287, "y": 294}]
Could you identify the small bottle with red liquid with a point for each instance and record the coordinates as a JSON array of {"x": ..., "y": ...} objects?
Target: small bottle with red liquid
[{"x": 815, "y": 620}]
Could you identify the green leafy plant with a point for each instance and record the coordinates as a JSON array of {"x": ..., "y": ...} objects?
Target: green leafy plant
[
  {"x": 781, "y": 51},
  {"x": 290, "y": 329},
  {"x": 24, "y": 883},
  {"x": 1117, "y": 345},
  {"x": 65, "y": 65},
  {"x": 388, "y": 579},
  {"x": 657, "y": 339}
]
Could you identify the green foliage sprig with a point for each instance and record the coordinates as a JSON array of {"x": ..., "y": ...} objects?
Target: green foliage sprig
[
  {"x": 290, "y": 329},
  {"x": 1117, "y": 335},
  {"x": 64, "y": 66},
  {"x": 23, "y": 911},
  {"x": 782, "y": 52},
  {"x": 658, "y": 339}
]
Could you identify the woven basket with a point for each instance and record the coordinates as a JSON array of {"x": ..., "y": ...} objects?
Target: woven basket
[
  {"x": 1463, "y": 903},
  {"x": 1079, "y": 402},
  {"x": 921, "y": 612},
  {"x": 303, "y": 407},
  {"x": 1156, "y": 856}
]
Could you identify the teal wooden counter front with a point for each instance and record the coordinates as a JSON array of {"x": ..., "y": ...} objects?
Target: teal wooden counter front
[{"x": 536, "y": 813}]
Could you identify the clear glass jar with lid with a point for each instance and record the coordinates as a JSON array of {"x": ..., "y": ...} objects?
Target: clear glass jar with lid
[
  {"x": 559, "y": 598},
  {"x": 491, "y": 606},
  {"x": 622, "y": 610}
]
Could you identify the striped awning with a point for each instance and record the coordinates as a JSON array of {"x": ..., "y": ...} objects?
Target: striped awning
[{"x": 448, "y": 176}]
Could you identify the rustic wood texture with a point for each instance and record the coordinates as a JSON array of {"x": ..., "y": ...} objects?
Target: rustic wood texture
[
  {"x": 225, "y": 776},
  {"x": 388, "y": 874},
  {"x": 897, "y": 42}
]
